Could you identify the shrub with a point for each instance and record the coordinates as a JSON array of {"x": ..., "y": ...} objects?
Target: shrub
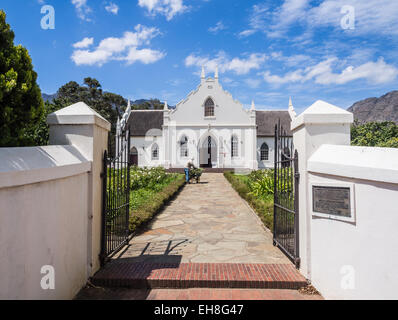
[
  {"x": 154, "y": 201},
  {"x": 375, "y": 134},
  {"x": 263, "y": 206},
  {"x": 147, "y": 178}
]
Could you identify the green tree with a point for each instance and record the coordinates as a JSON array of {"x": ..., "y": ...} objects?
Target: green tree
[
  {"x": 152, "y": 104},
  {"x": 375, "y": 134},
  {"x": 21, "y": 104},
  {"x": 39, "y": 133}
]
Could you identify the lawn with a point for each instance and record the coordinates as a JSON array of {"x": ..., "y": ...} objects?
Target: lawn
[
  {"x": 257, "y": 189},
  {"x": 151, "y": 189}
]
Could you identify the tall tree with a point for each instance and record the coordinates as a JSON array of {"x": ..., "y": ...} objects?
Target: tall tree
[
  {"x": 109, "y": 105},
  {"x": 21, "y": 104}
]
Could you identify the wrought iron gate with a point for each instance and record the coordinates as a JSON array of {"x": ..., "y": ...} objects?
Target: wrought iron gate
[
  {"x": 286, "y": 209},
  {"x": 116, "y": 196}
]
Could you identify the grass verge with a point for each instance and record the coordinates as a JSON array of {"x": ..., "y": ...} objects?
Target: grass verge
[
  {"x": 263, "y": 207},
  {"x": 146, "y": 203}
]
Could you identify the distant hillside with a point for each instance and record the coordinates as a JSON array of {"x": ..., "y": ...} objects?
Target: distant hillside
[
  {"x": 48, "y": 97},
  {"x": 384, "y": 108}
]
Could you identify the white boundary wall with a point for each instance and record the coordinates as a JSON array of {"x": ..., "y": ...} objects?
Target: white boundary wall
[
  {"x": 355, "y": 258},
  {"x": 50, "y": 207}
]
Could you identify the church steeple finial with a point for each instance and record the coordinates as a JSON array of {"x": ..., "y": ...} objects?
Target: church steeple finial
[
  {"x": 253, "y": 107},
  {"x": 216, "y": 73},
  {"x": 291, "y": 110},
  {"x": 203, "y": 75},
  {"x": 166, "y": 107}
]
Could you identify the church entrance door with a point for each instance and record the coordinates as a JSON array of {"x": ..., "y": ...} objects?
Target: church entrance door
[{"x": 208, "y": 153}]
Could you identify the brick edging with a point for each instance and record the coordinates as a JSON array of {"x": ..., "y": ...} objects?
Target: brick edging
[{"x": 199, "y": 275}]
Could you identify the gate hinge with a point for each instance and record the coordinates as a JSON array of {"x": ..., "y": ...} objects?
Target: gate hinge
[
  {"x": 102, "y": 175},
  {"x": 297, "y": 175}
]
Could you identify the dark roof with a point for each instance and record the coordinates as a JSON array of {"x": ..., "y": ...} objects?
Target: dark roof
[
  {"x": 140, "y": 122},
  {"x": 266, "y": 121}
]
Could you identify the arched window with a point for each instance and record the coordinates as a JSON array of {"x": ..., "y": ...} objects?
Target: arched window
[
  {"x": 264, "y": 152},
  {"x": 184, "y": 147},
  {"x": 134, "y": 156},
  {"x": 155, "y": 152},
  {"x": 209, "y": 108},
  {"x": 234, "y": 147}
]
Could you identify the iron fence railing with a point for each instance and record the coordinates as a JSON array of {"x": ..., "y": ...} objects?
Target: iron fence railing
[
  {"x": 116, "y": 196},
  {"x": 286, "y": 176}
]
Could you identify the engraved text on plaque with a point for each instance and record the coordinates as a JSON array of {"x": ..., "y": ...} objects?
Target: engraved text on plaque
[{"x": 331, "y": 200}]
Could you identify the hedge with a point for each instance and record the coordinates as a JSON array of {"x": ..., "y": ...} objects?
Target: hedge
[
  {"x": 147, "y": 211},
  {"x": 264, "y": 209}
]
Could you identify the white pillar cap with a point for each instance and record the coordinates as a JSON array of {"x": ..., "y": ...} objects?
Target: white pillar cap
[
  {"x": 78, "y": 113},
  {"x": 322, "y": 112}
]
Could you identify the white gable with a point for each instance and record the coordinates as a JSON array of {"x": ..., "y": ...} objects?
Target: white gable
[{"x": 227, "y": 110}]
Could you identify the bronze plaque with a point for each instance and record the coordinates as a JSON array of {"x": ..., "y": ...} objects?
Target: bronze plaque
[{"x": 331, "y": 200}]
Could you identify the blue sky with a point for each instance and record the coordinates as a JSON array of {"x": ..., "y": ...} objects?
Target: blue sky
[{"x": 266, "y": 50}]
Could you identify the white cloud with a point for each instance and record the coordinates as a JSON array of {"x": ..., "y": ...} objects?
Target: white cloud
[
  {"x": 290, "y": 12},
  {"x": 257, "y": 21},
  {"x": 291, "y": 61},
  {"x": 112, "y": 8},
  {"x": 246, "y": 33},
  {"x": 82, "y": 9},
  {"x": 218, "y": 27},
  {"x": 86, "y": 42},
  {"x": 371, "y": 16},
  {"x": 322, "y": 73},
  {"x": 122, "y": 49},
  {"x": 253, "y": 83},
  {"x": 275, "y": 22},
  {"x": 168, "y": 8},
  {"x": 237, "y": 65},
  {"x": 146, "y": 56}
]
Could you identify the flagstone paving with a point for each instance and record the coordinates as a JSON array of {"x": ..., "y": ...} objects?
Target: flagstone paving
[{"x": 206, "y": 223}]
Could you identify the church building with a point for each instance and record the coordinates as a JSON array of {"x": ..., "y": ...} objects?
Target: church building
[{"x": 209, "y": 128}]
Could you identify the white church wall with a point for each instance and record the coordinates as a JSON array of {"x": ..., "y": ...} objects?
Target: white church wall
[
  {"x": 144, "y": 146},
  {"x": 226, "y": 111},
  {"x": 230, "y": 118},
  {"x": 221, "y": 153},
  {"x": 266, "y": 164},
  {"x": 188, "y": 119}
]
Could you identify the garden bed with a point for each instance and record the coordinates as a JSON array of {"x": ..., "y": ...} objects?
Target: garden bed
[
  {"x": 151, "y": 190},
  {"x": 257, "y": 189}
]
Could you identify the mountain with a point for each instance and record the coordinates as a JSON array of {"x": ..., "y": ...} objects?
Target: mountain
[
  {"x": 48, "y": 97},
  {"x": 384, "y": 108}
]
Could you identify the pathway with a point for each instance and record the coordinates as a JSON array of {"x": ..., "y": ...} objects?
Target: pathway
[
  {"x": 206, "y": 223},
  {"x": 207, "y": 237}
]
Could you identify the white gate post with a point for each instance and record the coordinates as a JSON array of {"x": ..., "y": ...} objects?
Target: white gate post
[
  {"x": 321, "y": 123},
  {"x": 87, "y": 131}
]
